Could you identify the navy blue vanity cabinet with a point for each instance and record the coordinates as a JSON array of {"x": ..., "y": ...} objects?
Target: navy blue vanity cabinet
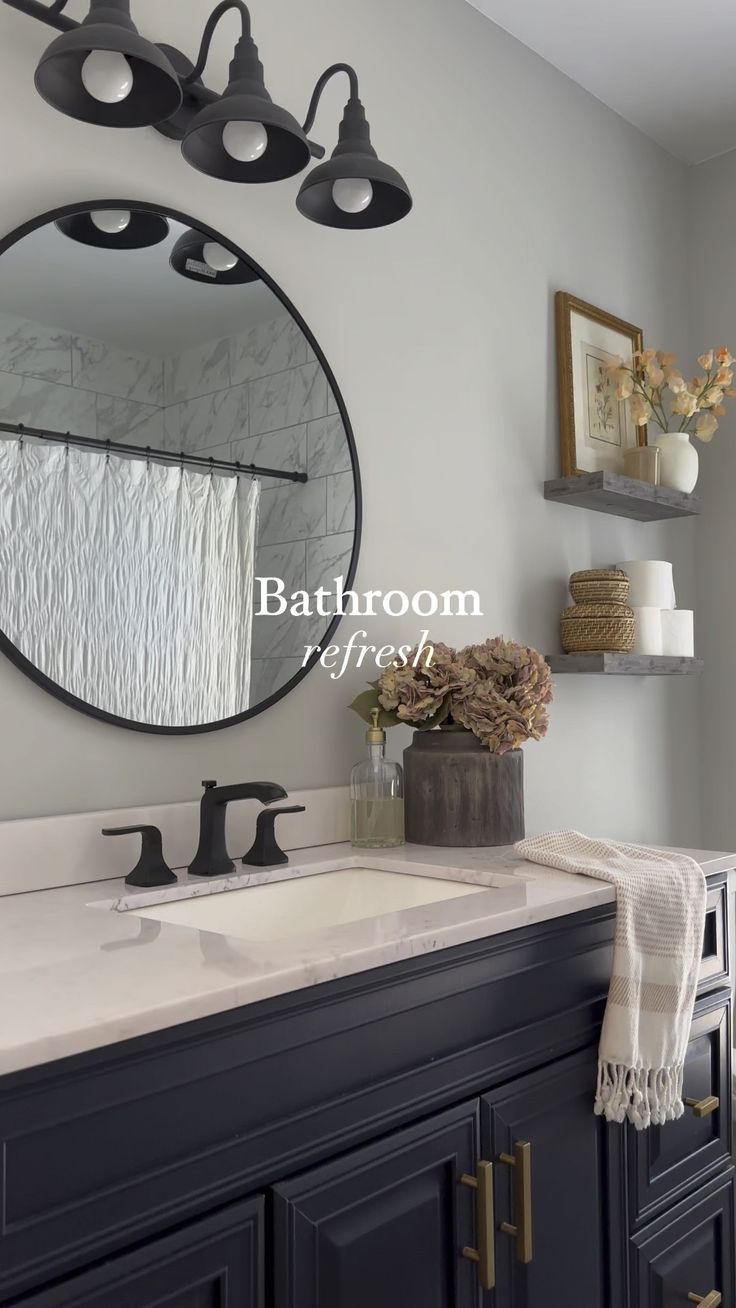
[
  {"x": 213, "y": 1263},
  {"x": 687, "y": 1255},
  {"x": 666, "y": 1161},
  {"x": 420, "y": 1135},
  {"x": 383, "y": 1226},
  {"x": 396, "y": 1224},
  {"x": 569, "y": 1243}
]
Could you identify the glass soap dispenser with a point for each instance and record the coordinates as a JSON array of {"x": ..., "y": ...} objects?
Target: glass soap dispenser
[{"x": 377, "y": 795}]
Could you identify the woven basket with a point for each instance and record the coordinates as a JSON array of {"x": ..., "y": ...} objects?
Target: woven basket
[
  {"x": 592, "y": 628},
  {"x": 600, "y": 586}
]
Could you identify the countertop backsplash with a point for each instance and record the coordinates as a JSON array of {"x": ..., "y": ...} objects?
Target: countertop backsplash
[{"x": 44, "y": 853}]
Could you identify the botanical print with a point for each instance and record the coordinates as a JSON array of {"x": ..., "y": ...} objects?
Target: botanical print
[
  {"x": 595, "y": 424},
  {"x": 603, "y": 405}
]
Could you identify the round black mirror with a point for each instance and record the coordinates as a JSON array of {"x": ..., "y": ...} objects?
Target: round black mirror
[{"x": 176, "y": 463}]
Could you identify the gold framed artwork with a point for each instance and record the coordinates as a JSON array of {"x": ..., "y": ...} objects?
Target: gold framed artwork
[{"x": 595, "y": 427}]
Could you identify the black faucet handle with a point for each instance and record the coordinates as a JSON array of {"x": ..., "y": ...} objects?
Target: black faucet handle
[
  {"x": 151, "y": 869},
  {"x": 265, "y": 852}
]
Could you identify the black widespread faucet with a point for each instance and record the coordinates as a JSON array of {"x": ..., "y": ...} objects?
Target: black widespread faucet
[{"x": 212, "y": 858}]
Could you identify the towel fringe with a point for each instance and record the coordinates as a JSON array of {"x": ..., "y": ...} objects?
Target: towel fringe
[{"x": 646, "y": 1096}]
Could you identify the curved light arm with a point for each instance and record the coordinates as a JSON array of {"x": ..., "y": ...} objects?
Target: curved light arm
[
  {"x": 319, "y": 88},
  {"x": 209, "y": 32},
  {"x": 50, "y": 14}
]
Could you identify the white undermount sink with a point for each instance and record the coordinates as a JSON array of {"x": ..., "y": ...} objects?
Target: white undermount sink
[{"x": 278, "y": 910}]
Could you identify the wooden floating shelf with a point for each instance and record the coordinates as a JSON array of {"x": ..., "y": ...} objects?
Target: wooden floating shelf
[
  {"x": 625, "y": 665},
  {"x": 610, "y": 492}
]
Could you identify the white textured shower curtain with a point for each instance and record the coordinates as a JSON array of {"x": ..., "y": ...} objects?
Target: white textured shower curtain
[{"x": 127, "y": 583}]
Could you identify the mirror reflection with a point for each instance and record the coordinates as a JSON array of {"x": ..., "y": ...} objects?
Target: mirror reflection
[{"x": 168, "y": 436}]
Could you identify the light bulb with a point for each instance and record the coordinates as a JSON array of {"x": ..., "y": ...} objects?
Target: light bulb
[
  {"x": 352, "y": 194},
  {"x": 218, "y": 258},
  {"x": 111, "y": 221},
  {"x": 107, "y": 76},
  {"x": 244, "y": 142}
]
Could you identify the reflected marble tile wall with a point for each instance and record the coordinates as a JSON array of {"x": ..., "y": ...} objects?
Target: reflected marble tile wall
[
  {"x": 266, "y": 349},
  {"x": 50, "y": 378},
  {"x": 327, "y": 448},
  {"x": 328, "y": 558},
  {"x": 340, "y": 503},
  {"x": 293, "y": 512},
  {"x": 197, "y": 371},
  {"x": 129, "y": 422},
  {"x": 32, "y": 350},
  {"x": 38, "y": 403},
  {"x": 209, "y": 419},
  {"x": 108, "y": 370},
  {"x": 276, "y": 449},
  {"x": 288, "y": 398}
]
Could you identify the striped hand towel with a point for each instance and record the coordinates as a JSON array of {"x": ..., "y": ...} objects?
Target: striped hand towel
[{"x": 658, "y": 944}]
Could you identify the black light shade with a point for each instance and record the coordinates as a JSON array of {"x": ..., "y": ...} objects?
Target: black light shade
[
  {"x": 246, "y": 100},
  {"x": 187, "y": 258},
  {"x": 156, "y": 93},
  {"x": 143, "y": 230},
  {"x": 354, "y": 157}
]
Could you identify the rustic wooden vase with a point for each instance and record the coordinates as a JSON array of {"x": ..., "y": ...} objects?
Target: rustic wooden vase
[{"x": 458, "y": 793}]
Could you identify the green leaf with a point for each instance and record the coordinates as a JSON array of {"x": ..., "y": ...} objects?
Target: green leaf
[{"x": 365, "y": 703}]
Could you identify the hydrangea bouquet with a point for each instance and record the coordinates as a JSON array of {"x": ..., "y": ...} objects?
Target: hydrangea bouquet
[{"x": 498, "y": 690}]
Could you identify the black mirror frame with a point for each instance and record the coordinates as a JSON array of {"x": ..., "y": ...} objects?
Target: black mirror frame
[{"x": 14, "y": 654}]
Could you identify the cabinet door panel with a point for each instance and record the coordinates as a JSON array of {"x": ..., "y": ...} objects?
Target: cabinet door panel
[
  {"x": 714, "y": 965},
  {"x": 687, "y": 1251},
  {"x": 215, "y": 1263},
  {"x": 383, "y": 1226},
  {"x": 667, "y": 1160},
  {"x": 573, "y": 1220}
]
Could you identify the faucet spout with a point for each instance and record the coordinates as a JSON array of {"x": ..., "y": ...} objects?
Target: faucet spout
[
  {"x": 265, "y": 791},
  {"x": 212, "y": 858}
]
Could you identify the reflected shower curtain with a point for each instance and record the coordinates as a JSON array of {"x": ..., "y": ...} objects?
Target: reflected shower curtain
[{"x": 129, "y": 584}]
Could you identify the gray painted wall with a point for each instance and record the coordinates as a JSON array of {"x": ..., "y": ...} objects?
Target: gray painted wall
[
  {"x": 713, "y": 282},
  {"x": 440, "y": 333}
]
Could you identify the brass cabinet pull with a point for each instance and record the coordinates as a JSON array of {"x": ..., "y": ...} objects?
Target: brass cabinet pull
[
  {"x": 485, "y": 1254},
  {"x": 521, "y": 1161},
  {"x": 711, "y": 1300},
  {"x": 703, "y": 1108}
]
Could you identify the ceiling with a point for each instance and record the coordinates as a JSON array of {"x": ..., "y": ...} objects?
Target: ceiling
[
  {"x": 130, "y": 298},
  {"x": 668, "y": 66}
]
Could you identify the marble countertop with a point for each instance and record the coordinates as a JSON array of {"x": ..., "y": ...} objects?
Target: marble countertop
[{"x": 78, "y": 975}]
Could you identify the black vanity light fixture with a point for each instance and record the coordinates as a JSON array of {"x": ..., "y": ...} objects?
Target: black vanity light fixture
[
  {"x": 201, "y": 259},
  {"x": 354, "y": 188},
  {"x": 243, "y": 136},
  {"x": 103, "y": 71},
  {"x": 115, "y": 229}
]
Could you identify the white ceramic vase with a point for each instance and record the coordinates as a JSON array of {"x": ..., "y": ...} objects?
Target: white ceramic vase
[{"x": 679, "y": 461}]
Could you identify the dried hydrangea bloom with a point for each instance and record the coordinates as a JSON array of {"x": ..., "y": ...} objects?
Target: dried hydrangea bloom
[
  {"x": 409, "y": 692},
  {"x": 498, "y": 690},
  {"x": 496, "y": 722},
  {"x": 507, "y": 704},
  {"x": 417, "y": 694}
]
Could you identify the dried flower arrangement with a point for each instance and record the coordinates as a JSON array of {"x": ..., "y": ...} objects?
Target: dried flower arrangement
[
  {"x": 656, "y": 390},
  {"x": 498, "y": 690}
]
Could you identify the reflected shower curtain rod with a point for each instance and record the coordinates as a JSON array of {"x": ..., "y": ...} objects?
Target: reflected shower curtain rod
[{"x": 148, "y": 452}]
